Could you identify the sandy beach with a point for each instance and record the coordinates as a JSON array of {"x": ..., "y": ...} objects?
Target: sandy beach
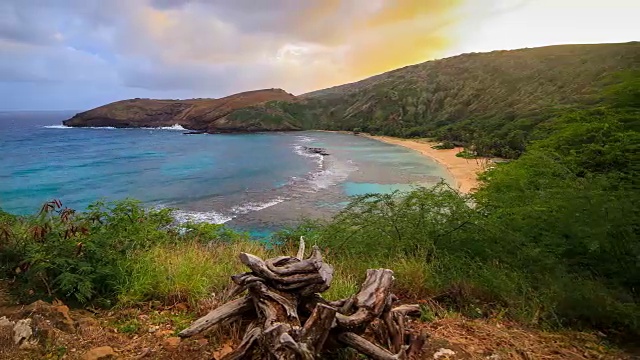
[{"x": 464, "y": 171}]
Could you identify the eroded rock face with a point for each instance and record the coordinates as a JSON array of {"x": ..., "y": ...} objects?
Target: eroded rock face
[{"x": 202, "y": 115}]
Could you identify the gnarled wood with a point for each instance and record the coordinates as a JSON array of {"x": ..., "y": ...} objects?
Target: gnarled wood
[
  {"x": 370, "y": 300},
  {"x": 227, "y": 311},
  {"x": 248, "y": 341},
  {"x": 416, "y": 344},
  {"x": 368, "y": 348},
  {"x": 291, "y": 320},
  {"x": 408, "y": 310},
  {"x": 316, "y": 328},
  {"x": 300, "y": 254}
]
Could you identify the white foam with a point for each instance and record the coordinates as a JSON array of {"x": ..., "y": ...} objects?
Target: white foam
[
  {"x": 57, "y": 127},
  {"x": 332, "y": 176},
  {"x": 300, "y": 150},
  {"x": 252, "y": 206},
  {"x": 304, "y": 139},
  {"x": 211, "y": 217},
  {"x": 325, "y": 176},
  {"x": 74, "y": 127},
  {"x": 177, "y": 127}
]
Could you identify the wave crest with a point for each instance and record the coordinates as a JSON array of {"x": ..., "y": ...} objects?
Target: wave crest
[
  {"x": 212, "y": 217},
  {"x": 175, "y": 127}
]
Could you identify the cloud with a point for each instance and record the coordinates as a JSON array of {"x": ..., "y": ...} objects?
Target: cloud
[{"x": 216, "y": 47}]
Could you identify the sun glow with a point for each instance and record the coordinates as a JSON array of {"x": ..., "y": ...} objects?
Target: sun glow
[{"x": 512, "y": 24}]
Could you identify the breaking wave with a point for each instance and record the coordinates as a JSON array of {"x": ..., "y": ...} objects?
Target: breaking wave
[
  {"x": 176, "y": 127},
  {"x": 254, "y": 206},
  {"x": 212, "y": 217}
]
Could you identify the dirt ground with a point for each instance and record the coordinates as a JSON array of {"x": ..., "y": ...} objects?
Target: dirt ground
[{"x": 149, "y": 332}]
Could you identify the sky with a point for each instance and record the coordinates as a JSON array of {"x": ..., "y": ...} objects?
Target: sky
[{"x": 79, "y": 54}]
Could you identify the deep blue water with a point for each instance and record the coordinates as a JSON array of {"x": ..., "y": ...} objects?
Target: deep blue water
[{"x": 209, "y": 177}]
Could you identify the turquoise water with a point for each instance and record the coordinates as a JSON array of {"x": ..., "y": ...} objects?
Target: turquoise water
[
  {"x": 258, "y": 181},
  {"x": 354, "y": 189}
]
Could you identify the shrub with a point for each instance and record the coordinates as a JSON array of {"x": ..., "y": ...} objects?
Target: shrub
[
  {"x": 92, "y": 256},
  {"x": 444, "y": 145}
]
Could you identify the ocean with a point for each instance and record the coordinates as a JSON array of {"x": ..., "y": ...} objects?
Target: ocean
[{"x": 256, "y": 182}]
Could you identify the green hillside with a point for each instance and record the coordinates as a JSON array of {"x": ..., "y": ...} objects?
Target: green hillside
[{"x": 493, "y": 101}]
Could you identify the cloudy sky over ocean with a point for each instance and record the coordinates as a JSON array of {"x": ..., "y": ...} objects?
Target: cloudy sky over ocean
[{"x": 78, "y": 54}]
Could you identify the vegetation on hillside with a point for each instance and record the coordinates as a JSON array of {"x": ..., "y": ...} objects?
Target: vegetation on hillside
[
  {"x": 494, "y": 103},
  {"x": 551, "y": 239}
]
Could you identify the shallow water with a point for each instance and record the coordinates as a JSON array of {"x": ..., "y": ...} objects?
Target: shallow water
[{"x": 253, "y": 181}]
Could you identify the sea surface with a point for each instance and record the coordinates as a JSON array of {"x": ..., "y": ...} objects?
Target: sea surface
[{"x": 257, "y": 182}]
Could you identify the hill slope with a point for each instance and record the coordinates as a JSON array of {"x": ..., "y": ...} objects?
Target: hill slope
[
  {"x": 493, "y": 101},
  {"x": 210, "y": 115}
]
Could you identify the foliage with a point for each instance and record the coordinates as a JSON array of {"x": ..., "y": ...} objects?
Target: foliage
[
  {"x": 92, "y": 256},
  {"x": 445, "y": 145},
  {"x": 466, "y": 154},
  {"x": 493, "y": 103},
  {"x": 551, "y": 238}
]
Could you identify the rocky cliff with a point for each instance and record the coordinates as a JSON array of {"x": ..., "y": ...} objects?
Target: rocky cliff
[{"x": 208, "y": 115}]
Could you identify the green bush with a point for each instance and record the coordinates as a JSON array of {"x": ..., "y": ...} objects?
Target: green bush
[
  {"x": 445, "y": 145},
  {"x": 92, "y": 256}
]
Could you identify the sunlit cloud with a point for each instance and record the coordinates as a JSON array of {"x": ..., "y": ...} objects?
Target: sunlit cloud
[{"x": 200, "y": 48}]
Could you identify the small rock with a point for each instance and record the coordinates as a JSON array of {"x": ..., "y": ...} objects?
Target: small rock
[
  {"x": 103, "y": 352},
  {"x": 63, "y": 320},
  {"x": 442, "y": 352},
  {"x": 172, "y": 343},
  {"x": 5, "y": 322},
  {"x": 22, "y": 331},
  {"x": 57, "y": 313}
]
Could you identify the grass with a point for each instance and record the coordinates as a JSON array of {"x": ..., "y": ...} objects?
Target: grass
[{"x": 185, "y": 272}]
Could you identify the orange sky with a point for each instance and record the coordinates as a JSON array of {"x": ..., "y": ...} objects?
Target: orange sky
[{"x": 398, "y": 33}]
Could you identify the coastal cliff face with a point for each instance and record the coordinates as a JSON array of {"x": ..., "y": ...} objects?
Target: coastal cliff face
[{"x": 207, "y": 115}]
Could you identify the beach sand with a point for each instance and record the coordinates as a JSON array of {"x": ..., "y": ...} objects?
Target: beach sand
[{"x": 464, "y": 171}]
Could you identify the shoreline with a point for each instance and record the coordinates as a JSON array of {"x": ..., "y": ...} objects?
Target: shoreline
[{"x": 463, "y": 171}]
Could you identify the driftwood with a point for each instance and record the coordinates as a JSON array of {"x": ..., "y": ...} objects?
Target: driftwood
[{"x": 290, "y": 319}]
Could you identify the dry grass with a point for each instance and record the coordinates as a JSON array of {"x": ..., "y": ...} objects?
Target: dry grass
[{"x": 480, "y": 339}]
